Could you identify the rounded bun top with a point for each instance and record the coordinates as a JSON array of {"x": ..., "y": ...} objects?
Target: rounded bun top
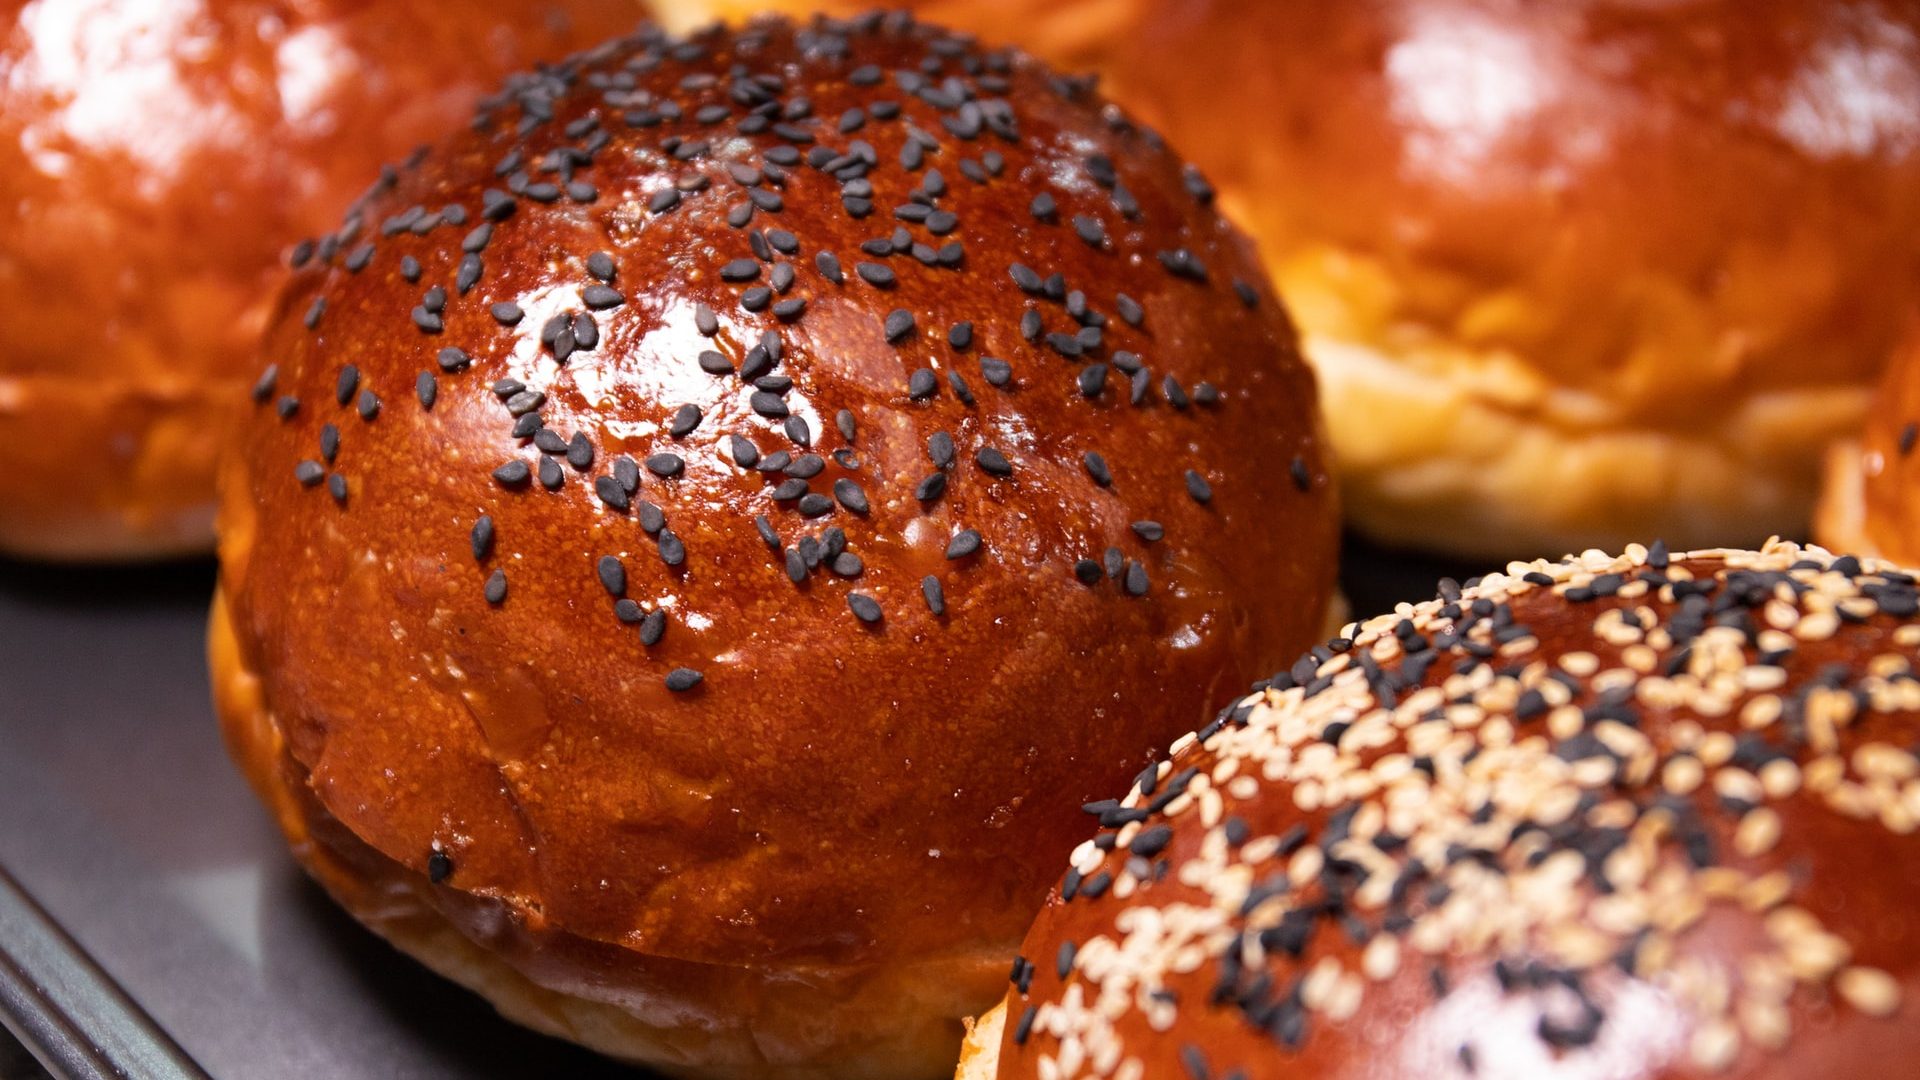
[
  {"x": 736, "y": 500},
  {"x": 1644, "y": 816},
  {"x": 155, "y": 162}
]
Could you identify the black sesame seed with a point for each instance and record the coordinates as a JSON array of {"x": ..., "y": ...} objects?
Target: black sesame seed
[
  {"x": 601, "y": 297},
  {"x": 1198, "y": 487},
  {"x": 864, "y": 607},
  {"x": 1136, "y": 578},
  {"x": 898, "y": 325},
  {"x": 922, "y": 384},
  {"x": 850, "y": 495},
  {"x": 964, "y": 543},
  {"x": 579, "y": 451},
  {"x": 1093, "y": 379},
  {"x": 685, "y": 419},
  {"x": 799, "y": 431},
  {"x": 994, "y": 462},
  {"x": 829, "y": 266},
  {"x": 613, "y": 575},
  {"x": 309, "y": 473},
  {"x": 611, "y": 492},
  {"x": 673, "y": 551},
  {"x": 496, "y": 587},
  {"x": 1150, "y": 531},
  {"x": 665, "y": 464},
  {"x": 996, "y": 372},
  {"x": 481, "y": 537},
  {"x": 875, "y": 274},
  {"x": 512, "y": 474},
  {"x": 1097, "y": 468},
  {"x": 1302, "y": 479},
  {"x": 507, "y": 313},
  {"x": 600, "y": 265},
  {"x": 1087, "y": 570},
  {"x": 652, "y": 519},
  {"x": 682, "y": 679},
  {"x": 813, "y": 505}
]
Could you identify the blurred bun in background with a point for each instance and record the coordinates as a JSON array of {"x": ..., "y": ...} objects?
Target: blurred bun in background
[
  {"x": 157, "y": 160},
  {"x": 1570, "y": 273}
]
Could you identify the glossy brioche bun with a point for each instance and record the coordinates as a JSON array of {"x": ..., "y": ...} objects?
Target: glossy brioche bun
[
  {"x": 1870, "y": 503},
  {"x": 156, "y": 160},
  {"x": 758, "y": 769},
  {"x": 1626, "y": 817},
  {"x": 1570, "y": 273}
]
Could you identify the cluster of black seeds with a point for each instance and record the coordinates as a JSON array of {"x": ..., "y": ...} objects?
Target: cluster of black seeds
[{"x": 747, "y": 139}]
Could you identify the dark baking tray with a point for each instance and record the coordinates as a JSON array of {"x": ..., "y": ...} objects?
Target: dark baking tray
[{"x": 152, "y": 926}]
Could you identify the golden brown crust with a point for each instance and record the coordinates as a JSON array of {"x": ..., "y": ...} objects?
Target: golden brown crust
[
  {"x": 834, "y": 795},
  {"x": 1632, "y": 817},
  {"x": 1870, "y": 502},
  {"x": 154, "y": 164},
  {"x": 750, "y": 1024},
  {"x": 1571, "y": 274}
]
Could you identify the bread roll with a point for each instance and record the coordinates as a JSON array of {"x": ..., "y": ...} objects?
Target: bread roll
[
  {"x": 157, "y": 161},
  {"x": 687, "y": 593},
  {"x": 1631, "y": 817},
  {"x": 1571, "y": 274}
]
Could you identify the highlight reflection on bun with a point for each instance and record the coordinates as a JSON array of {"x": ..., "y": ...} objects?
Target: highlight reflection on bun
[{"x": 758, "y": 486}]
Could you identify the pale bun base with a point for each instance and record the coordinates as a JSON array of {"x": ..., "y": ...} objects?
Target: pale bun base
[
  {"x": 980, "y": 1053},
  {"x": 1490, "y": 461},
  {"x": 887, "y": 1027},
  {"x": 1840, "y": 518},
  {"x": 110, "y": 470}
]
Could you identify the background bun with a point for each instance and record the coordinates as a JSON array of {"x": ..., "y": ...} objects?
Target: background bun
[
  {"x": 757, "y": 487},
  {"x": 156, "y": 160},
  {"x": 1571, "y": 274},
  {"x": 1871, "y": 501},
  {"x": 1625, "y": 817}
]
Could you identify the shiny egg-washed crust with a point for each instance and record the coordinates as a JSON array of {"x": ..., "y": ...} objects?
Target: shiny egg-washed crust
[
  {"x": 1870, "y": 502},
  {"x": 1571, "y": 273},
  {"x": 155, "y": 162},
  {"x": 828, "y": 714},
  {"x": 1625, "y": 817}
]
